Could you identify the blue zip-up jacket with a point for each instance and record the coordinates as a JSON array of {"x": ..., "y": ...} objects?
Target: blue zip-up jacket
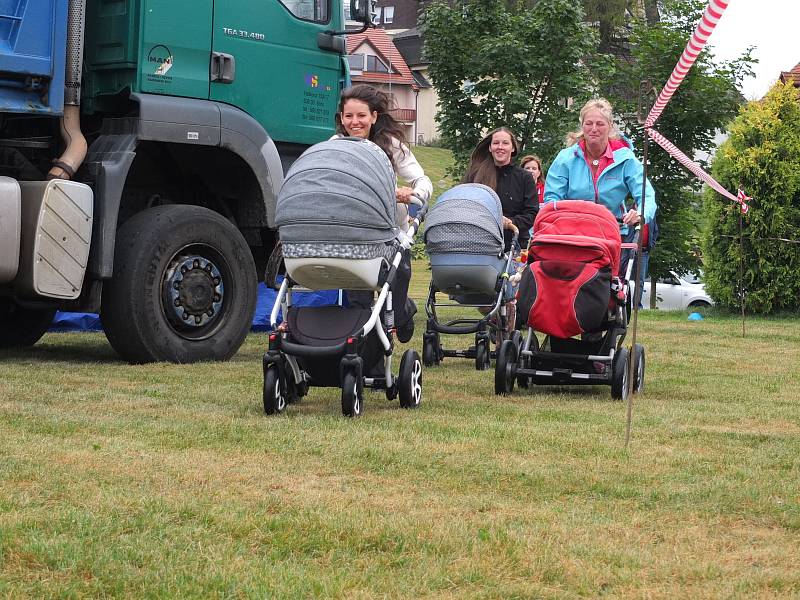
[{"x": 570, "y": 178}]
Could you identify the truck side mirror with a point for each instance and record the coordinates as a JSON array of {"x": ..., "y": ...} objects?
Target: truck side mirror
[{"x": 363, "y": 11}]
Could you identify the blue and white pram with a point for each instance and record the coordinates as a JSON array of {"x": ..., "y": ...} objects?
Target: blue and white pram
[{"x": 464, "y": 240}]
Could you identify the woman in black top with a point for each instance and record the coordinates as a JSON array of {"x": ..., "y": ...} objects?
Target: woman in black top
[{"x": 491, "y": 164}]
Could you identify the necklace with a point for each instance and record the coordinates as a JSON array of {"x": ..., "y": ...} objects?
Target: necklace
[{"x": 594, "y": 161}]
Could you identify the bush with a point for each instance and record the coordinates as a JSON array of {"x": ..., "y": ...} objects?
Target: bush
[{"x": 762, "y": 154}]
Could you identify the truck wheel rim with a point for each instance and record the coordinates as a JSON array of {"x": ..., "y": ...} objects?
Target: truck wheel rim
[{"x": 193, "y": 292}]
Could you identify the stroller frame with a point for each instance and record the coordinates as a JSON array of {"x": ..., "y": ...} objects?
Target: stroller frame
[
  {"x": 589, "y": 361},
  {"x": 495, "y": 321},
  {"x": 285, "y": 381}
]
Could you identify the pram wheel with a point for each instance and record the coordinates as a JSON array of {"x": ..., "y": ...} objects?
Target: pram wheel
[
  {"x": 274, "y": 398},
  {"x": 430, "y": 349},
  {"x": 482, "y": 360},
  {"x": 619, "y": 375},
  {"x": 638, "y": 368},
  {"x": 410, "y": 380},
  {"x": 505, "y": 370},
  {"x": 352, "y": 395}
]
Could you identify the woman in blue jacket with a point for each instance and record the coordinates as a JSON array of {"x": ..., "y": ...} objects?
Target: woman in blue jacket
[{"x": 598, "y": 165}]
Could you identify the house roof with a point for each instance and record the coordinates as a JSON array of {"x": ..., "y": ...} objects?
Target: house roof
[
  {"x": 409, "y": 44},
  {"x": 382, "y": 44},
  {"x": 791, "y": 76},
  {"x": 421, "y": 80}
]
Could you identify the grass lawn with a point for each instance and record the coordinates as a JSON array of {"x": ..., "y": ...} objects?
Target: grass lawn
[{"x": 167, "y": 480}]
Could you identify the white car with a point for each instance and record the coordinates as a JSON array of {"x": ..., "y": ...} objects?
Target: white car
[{"x": 677, "y": 292}]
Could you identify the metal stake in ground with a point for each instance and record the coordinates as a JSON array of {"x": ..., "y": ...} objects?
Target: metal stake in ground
[
  {"x": 637, "y": 295},
  {"x": 741, "y": 267}
]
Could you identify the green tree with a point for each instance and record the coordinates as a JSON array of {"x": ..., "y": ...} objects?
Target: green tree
[
  {"x": 704, "y": 103},
  {"x": 762, "y": 155},
  {"x": 516, "y": 66}
]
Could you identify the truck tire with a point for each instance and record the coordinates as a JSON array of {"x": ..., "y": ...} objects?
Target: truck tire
[
  {"x": 184, "y": 287},
  {"x": 22, "y": 327}
]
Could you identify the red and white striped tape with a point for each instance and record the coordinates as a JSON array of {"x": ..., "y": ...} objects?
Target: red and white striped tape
[
  {"x": 695, "y": 45},
  {"x": 672, "y": 150}
]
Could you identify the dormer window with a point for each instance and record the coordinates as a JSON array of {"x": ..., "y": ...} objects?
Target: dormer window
[{"x": 367, "y": 63}]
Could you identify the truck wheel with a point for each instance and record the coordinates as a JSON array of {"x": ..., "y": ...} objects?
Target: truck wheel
[
  {"x": 21, "y": 327},
  {"x": 184, "y": 287}
]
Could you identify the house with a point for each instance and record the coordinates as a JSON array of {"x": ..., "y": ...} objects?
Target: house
[
  {"x": 375, "y": 60},
  {"x": 399, "y": 19},
  {"x": 397, "y": 15},
  {"x": 792, "y": 76},
  {"x": 409, "y": 44}
]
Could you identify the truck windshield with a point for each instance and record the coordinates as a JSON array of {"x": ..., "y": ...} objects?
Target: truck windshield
[{"x": 309, "y": 10}]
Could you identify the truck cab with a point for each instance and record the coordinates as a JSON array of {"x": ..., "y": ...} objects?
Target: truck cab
[{"x": 191, "y": 111}]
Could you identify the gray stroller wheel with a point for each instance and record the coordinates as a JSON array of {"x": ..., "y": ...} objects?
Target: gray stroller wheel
[
  {"x": 430, "y": 350},
  {"x": 482, "y": 359},
  {"x": 505, "y": 369},
  {"x": 352, "y": 395},
  {"x": 274, "y": 396},
  {"x": 638, "y": 368},
  {"x": 410, "y": 380},
  {"x": 619, "y": 375}
]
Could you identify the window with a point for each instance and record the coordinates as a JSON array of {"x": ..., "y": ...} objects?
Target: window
[
  {"x": 309, "y": 10},
  {"x": 388, "y": 14},
  {"x": 376, "y": 65},
  {"x": 356, "y": 62},
  {"x": 367, "y": 62}
]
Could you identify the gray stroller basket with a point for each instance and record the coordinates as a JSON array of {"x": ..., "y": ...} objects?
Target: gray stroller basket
[{"x": 464, "y": 240}]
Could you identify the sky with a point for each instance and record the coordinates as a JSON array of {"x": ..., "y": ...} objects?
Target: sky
[{"x": 772, "y": 27}]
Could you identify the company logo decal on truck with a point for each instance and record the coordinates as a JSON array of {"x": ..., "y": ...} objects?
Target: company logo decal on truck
[{"x": 161, "y": 60}]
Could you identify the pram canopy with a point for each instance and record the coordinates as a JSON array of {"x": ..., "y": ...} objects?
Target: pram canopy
[
  {"x": 573, "y": 256},
  {"x": 338, "y": 198},
  {"x": 577, "y": 224},
  {"x": 466, "y": 219}
]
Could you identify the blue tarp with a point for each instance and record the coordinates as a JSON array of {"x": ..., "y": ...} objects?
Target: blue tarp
[{"x": 67, "y": 321}]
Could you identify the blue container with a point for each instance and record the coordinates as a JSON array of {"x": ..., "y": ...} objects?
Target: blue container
[{"x": 33, "y": 40}]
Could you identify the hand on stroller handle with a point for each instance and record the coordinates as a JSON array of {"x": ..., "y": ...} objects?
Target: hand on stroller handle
[{"x": 509, "y": 224}]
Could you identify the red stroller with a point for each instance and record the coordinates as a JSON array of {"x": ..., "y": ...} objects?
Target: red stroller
[{"x": 574, "y": 293}]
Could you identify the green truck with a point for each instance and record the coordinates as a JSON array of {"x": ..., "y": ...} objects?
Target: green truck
[{"x": 140, "y": 166}]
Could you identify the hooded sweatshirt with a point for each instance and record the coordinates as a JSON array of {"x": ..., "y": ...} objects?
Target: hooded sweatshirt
[{"x": 570, "y": 178}]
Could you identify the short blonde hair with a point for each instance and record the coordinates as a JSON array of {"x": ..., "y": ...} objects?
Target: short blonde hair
[{"x": 603, "y": 106}]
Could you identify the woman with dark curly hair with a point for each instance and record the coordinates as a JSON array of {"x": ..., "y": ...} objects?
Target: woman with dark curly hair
[{"x": 364, "y": 113}]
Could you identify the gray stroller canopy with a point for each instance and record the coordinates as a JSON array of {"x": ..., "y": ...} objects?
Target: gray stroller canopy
[
  {"x": 338, "y": 191},
  {"x": 466, "y": 219}
]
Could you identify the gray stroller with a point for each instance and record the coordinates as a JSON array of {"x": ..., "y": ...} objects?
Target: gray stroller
[
  {"x": 464, "y": 240},
  {"x": 336, "y": 220}
]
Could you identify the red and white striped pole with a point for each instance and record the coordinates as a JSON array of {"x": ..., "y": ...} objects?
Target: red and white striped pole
[
  {"x": 695, "y": 45},
  {"x": 692, "y": 166}
]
